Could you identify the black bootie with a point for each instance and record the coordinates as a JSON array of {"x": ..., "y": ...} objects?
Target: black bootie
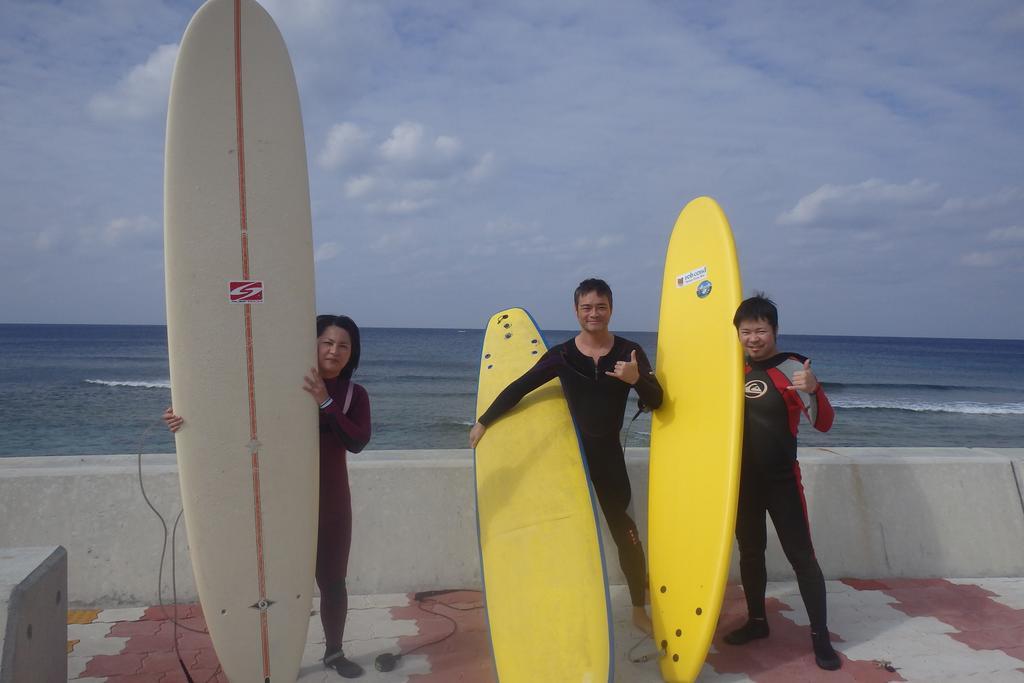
[
  {"x": 824, "y": 655},
  {"x": 754, "y": 629},
  {"x": 345, "y": 667}
]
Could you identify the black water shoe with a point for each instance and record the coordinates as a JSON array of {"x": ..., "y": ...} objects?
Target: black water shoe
[
  {"x": 824, "y": 655},
  {"x": 345, "y": 667},
  {"x": 754, "y": 629}
]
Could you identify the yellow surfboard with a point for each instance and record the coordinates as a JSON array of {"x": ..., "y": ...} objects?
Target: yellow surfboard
[
  {"x": 544, "y": 578},
  {"x": 696, "y": 438}
]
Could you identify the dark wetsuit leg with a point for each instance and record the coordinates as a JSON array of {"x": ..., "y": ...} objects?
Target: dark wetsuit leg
[
  {"x": 627, "y": 540},
  {"x": 788, "y": 509},
  {"x": 779, "y": 494},
  {"x": 611, "y": 485},
  {"x": 334, "y": 540},
  {"x": 752, "y": 538}
]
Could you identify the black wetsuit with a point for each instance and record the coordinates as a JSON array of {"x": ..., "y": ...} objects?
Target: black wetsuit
[
  {"x": 597, "y": 403},
  {"x": 770, "y": 482}
]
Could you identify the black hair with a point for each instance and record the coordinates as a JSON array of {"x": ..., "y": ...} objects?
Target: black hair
[
  {"x": 757, "y": 307},
  {"x": 592, "y": 284},
  {"x": 346, "y": 323}
]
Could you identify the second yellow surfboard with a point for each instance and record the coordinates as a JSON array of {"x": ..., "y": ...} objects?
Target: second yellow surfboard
[
  {"x": 696, "y": 438},
  {"x": 544, "y": 579}
]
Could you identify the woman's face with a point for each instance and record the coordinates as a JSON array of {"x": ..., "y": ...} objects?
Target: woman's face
[{"x": 333, "y": 350}]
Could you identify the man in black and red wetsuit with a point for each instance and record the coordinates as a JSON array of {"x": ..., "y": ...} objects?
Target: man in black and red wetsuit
[
  {"x": 779, "y": 388},
  {"x": 597, "y": 370}
]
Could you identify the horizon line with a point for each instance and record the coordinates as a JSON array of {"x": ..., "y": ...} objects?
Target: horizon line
[{"x": 481, "y": 329}]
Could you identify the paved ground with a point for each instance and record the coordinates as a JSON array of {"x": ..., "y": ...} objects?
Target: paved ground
[{"x": 892, "y": 630}]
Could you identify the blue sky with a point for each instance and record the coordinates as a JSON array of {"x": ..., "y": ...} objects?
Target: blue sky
[{"x": 465, "y": 158}]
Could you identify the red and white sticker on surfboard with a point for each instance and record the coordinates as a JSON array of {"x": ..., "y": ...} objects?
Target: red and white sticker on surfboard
[{"x": 245, "y": 291}]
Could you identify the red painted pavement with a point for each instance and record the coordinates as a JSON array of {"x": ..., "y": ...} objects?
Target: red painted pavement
[
  {"x": 148, "y": 655},
  {"x": 783, "y": 657},
  {"x": 466, "y": 654},
  {"x": 983, "y": 623}
]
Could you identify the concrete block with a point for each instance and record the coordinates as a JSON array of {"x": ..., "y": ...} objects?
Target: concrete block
[
  {"x": 413, "y": 524},
  {"x": 875, "y": 513},
  {"x": 94, "y": 508},
  {"x": 33, "y": 615},
  {"x": 923, "y": 516}
]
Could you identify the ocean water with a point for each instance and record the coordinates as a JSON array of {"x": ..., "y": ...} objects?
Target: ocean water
[{"x": 94, "y": 389}]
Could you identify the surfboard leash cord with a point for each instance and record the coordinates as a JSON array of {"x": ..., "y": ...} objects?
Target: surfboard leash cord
[
  {"x": 163, "y": 556},
  {"x": 625, "y": 438},
  {"x": 646, "y": 657},
  {"x": 388, "y": 660}
]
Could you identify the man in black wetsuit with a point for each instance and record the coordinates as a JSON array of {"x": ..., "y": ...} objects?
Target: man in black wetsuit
[
  {"x": 779, "y": 388},
  {"x": 596, "y": 369}
]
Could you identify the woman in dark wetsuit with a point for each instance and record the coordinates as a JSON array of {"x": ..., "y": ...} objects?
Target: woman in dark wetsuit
[{"x": 344, "y": 428}]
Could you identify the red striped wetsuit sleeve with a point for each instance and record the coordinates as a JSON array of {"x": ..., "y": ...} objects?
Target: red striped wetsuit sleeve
[
  {"x": 826, "y": 415},
  {"x": 816, "y": 407}
]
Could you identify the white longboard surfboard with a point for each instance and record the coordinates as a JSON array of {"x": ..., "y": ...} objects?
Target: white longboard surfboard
[{"x": 240, "y": 326}]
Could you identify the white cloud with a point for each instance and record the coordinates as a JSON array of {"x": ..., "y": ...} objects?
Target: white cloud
[
  {"x": 839, "y": 202},
  {"x": 123, "y": 232},
  {"x": 400, "y": 207},
  {"x": 390, "y": 241},
  {"x": 326, "y": 252},
  {"x": 421, "y": 186},
  {"x": 483, "y": 168},
  {"x": 981, "y": 259},
  {"x": 413, "y": 168},
  {"x": 447, "y": 146},
  {"x": 141, "y": 93},
  {"x": 305, "y": 13},
  {"x": 44, "y": 241},
  {"x": 405, "y": 143},
  {"x": 598, "y": 242},
  {"x": 996, "y": 200},
  {"x": 1012, "y": 20},
  {"x": 410, "y": 146},
  {"x": 345, "y": 143},
  {"x": 501, "y": 227},
  {"x": 359, "y": 186},
  {"x": 1013, "y": 233}
]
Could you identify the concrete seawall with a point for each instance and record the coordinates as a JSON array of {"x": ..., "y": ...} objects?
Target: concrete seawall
[{"x": 875, "y": 513}]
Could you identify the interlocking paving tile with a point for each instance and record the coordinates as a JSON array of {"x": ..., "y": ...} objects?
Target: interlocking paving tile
[
  {"x": 93, "y": 639},
  {"x": 113, "y": 665},
  {"x": 954, "y": 630},
  {"x": 82, "y": 616},
  {"x": 119, "y": 614},
  {"x": 927, "y": 630},
  {"x": 76, "y": 665}
]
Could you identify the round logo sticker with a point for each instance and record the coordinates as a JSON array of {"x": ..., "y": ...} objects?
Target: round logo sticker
[
  {"x": 755, "y": 388},
  {"x": 703, "y": 289}
]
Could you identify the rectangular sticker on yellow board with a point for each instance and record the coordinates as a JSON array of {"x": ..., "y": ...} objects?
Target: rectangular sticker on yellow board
[{"x": 693, "y": 276}]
